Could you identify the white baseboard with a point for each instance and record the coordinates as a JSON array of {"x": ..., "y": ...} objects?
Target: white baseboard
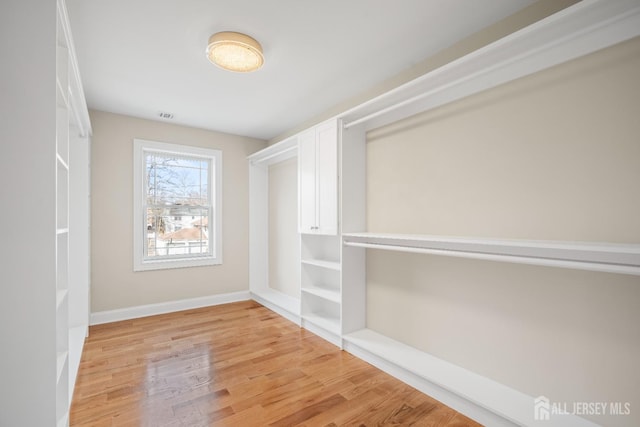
[{"x": 166, "y": 307}]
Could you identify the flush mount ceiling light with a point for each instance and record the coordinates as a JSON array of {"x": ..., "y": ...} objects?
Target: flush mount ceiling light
[{"x": 235, "y": 52}]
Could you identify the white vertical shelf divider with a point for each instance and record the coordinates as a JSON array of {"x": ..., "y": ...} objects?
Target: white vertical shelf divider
[{"x": 353, "y": 219}]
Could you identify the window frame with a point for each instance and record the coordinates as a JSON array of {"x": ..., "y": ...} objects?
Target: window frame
[{"x": 140, "y": 263}]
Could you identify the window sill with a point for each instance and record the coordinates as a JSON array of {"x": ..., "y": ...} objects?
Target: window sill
[{"x": 175, "y": 263}]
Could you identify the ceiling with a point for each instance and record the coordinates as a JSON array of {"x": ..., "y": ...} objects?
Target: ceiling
[{"x": 143, "y": 57}]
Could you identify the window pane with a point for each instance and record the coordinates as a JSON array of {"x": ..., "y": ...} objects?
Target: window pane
[
  {"x": 176, "y": 203},
  {"x": 174, "y": 179},
  {"x": 177, "y": 231}
]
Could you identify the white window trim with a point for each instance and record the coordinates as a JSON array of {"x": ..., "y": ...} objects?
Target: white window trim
[{"x": 139, "y": 222}]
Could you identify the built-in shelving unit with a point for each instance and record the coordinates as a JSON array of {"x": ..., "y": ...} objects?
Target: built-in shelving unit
[
  {"x": 62, "y": 223},
  {"x": 72, "y": 126},
  {"x": 333, "y": 282}
]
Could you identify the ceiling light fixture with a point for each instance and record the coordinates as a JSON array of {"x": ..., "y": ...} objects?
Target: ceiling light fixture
[{"x": 235, "y": 52}]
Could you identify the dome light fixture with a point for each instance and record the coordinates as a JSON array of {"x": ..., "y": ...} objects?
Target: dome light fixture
[{"x": 235, "y": 52}]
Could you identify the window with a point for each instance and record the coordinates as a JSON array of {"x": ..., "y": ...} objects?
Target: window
[{"x": 177, "y": 206}]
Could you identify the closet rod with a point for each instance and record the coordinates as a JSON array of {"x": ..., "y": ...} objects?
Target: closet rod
[
  {"x": 399, "y": 105},
  {"x": 549, "y": 262}
]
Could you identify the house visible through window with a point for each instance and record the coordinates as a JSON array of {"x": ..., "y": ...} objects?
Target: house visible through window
[{"x": 177, "y": 206}]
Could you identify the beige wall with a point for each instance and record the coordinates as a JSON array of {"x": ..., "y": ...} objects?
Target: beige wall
[
  {"x": 284, "y": 240},
  {"x": 552, "y": 156},
  {"x": 114, "y": 284}
]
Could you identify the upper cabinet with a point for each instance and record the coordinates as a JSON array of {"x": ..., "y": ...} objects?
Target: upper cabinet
[{"x": 318, "y": 179}]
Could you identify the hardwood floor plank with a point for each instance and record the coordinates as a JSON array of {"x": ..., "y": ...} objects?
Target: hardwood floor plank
[
  {"x": 309, "y": 411},
  {"x": 236, "y": 365}
]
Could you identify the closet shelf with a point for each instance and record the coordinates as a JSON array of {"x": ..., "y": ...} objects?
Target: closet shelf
[
  {"x": 324, "y": 321},
  {"x": 331, "y": 265},
  {"x": 594, "y": 256},
  {"x": 484, "y": 392},
  {"x": 275, "y": 153},
  {"x": 279, "y": 299},
  {"x": 324, "y": 293}
]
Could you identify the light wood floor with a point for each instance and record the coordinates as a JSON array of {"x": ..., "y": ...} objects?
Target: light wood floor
[{"x": 236, "y": 365}]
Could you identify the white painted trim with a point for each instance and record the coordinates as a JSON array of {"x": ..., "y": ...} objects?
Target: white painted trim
[
  {"x": 109, "y": 316},
  {"x": 480, "y": 398}
]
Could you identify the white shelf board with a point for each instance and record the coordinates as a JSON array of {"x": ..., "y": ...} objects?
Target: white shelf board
[
  {"x": 61, "y": 359},
  {"x": 497, "y": 398},
  {"x": 62, "y": 231},
  {"x": 275, "y": 153},
  {"x": 324, "y": 321},
  {"x": 594, "y": 256},
  {"x": 331, "y": 265},
  {"x": 324, "y": 293},
  {"x": 279, "y": 299}
]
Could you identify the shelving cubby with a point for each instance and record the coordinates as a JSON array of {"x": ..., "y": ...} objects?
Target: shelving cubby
[
  {"x": 320, "y": 285},
  {"x": 321, "y": 250},
  {"x": 321, "y": 282},
  {"x": 322, "y": 317}
]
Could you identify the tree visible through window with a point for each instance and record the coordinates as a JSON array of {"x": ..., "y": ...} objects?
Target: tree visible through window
[{"x": 179, "y": 205}]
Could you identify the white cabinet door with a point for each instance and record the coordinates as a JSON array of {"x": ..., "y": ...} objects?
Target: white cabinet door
[
  {"x": 327, "y": 178},
  {"x": 307, "y": 182},
  {"x": 318, "y": 180}
]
